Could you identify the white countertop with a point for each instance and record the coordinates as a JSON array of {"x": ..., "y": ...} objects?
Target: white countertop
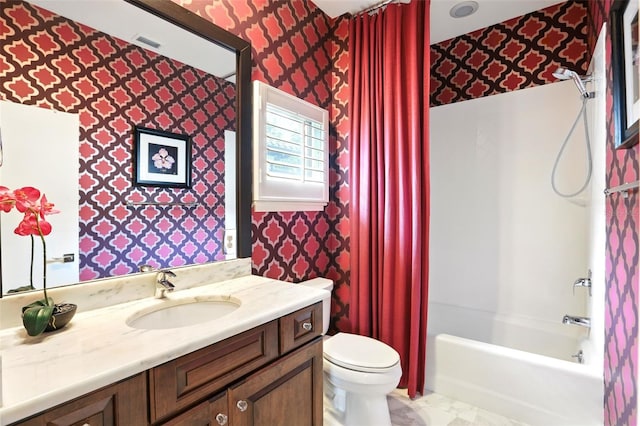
[{"x": 97, "y": 348}]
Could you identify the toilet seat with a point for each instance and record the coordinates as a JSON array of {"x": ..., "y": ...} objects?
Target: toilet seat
[{"x": 360, "y": 353}]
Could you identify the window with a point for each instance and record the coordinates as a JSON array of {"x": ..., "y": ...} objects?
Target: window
[{"x": 291, "y": 170}]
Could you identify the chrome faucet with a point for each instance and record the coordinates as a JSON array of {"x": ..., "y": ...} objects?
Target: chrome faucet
[
  {"x": 163, "y": 284},
  {"x": 581, "y": 321}
]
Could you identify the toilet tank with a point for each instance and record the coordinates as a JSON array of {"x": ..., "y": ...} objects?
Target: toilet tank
[{"x": 322, "y": 284}]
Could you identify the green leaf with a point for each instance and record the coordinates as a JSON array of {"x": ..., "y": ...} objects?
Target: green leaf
[
  {"x": 38, "y": 303},
  {"x": 23, "y": 288},
  {"x": 36, "y": 318}
]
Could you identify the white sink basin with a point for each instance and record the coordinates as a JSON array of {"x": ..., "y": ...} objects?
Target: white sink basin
[{"x": 174, "y": 313}]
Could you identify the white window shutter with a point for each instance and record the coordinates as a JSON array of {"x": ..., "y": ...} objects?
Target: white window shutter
[{"x": 291, "y": 152}]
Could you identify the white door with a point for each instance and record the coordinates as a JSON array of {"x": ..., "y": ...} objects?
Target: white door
[{"x": 40, "y": 148}]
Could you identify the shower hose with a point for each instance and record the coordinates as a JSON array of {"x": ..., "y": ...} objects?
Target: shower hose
[{"x": 582, "y": 113}]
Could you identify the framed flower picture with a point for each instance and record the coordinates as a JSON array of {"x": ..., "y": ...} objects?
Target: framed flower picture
[{"x": 161, "y": 158}]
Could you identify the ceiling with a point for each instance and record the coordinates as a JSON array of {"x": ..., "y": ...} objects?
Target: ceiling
[
  {"x": 443, "y": 26},
  {"x": 109, "y": 16},
  {"x": 128, "y": 22}
]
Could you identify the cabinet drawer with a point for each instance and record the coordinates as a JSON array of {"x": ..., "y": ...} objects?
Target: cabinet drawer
[
  {"x": 300, "y": 327},
  {"x": 193, "y": 377}
]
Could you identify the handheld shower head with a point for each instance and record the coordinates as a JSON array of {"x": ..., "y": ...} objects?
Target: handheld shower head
[
  {"x": 566, "y": 74},
  {"x": 563, "y": 74}
]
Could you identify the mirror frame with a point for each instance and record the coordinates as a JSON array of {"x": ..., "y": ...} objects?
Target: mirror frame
[
  {"x": 183, "y": 18},
  {"x": 625, "y": 133}
]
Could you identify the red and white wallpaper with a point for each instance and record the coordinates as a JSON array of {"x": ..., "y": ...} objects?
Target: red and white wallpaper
[
  {"x": 54, "y": 63},
  {"x": 623, "y": 247},
  {"x": 513, "y": 55},
  {"x": 298, "y": 49}
]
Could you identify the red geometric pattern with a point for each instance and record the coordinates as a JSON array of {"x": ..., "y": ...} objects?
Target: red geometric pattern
[
  {"x": 339, "y": 193},
  {"x": 518, "y": 53},
  {"x": 49, "y": 61},
  {"x": 298, "y": 49},
  {"x": 622, "y": 251}
]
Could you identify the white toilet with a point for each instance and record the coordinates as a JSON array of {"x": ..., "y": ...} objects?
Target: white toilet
[{"x": 359, "y": 372}]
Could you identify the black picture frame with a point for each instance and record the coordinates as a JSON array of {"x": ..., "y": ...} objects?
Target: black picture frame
[
  {"x": 624, "y": 48},
  {"x": 161, "y": 158}
]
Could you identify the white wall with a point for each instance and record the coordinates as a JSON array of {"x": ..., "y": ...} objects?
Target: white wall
[
  {"x": 594, "y": 346},
  {"x": 40, "y": 148},
  {"x": 504, "y": 249}
]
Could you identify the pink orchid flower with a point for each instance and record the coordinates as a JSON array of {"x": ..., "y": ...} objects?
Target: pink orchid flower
[
  {"x": 31, "y": 225},
  {"x": 7, "y": 199},
  {"x": 27, "y": 200}
]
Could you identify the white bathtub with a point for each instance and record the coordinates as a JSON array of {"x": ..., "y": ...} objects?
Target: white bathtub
[{"x": 535, "y": 389}]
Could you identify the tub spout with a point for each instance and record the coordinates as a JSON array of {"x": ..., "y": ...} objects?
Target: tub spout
[
  {"x": 581, "y": 321},
  {"x": 579, "y": 356}
]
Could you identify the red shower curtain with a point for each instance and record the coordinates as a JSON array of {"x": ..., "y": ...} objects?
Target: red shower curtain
[{"x": 389, "y": 179}]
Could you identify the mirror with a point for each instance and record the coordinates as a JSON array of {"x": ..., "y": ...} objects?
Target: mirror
[{"x": 106, "y": 192}]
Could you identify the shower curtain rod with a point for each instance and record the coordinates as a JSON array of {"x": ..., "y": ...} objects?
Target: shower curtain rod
[{"x": 379, "y": 5}]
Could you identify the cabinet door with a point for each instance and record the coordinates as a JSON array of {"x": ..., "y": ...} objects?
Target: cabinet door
[
  {"x": 189, "y": 379},
  {"x": 124, "y": 403},
  {"x": 285, "y": 393},
  {"x": 213, "y": 412},
  {"x": 219, "y": 409}
]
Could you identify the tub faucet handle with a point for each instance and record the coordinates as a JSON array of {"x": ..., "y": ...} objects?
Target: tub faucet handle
[{"x": 583, "y": 282}]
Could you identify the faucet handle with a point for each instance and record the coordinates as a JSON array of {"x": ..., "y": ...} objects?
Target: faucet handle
[
  {"x": 146, "y": 268},
  {"x": 583, "y": 282},
  {"x": 163, "y": 273},
  {"x": 166, "y": 272}
]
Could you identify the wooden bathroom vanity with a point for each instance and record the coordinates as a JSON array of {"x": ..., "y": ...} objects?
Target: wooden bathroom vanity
[
  {"x": 267, "y": 374},
  {"x": 271, "y": 374}
]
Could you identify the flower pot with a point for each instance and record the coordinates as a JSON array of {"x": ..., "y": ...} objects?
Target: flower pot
[{"x": 62, "y": 314}]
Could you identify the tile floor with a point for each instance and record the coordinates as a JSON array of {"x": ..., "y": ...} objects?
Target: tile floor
[{"x": 438, "y": 410}]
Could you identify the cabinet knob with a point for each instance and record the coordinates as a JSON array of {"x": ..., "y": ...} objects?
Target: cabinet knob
[
  {"x": 242, "y": 405},
  {"x": 307, "y": 326},
  {"x": 222, "y": 419}
]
